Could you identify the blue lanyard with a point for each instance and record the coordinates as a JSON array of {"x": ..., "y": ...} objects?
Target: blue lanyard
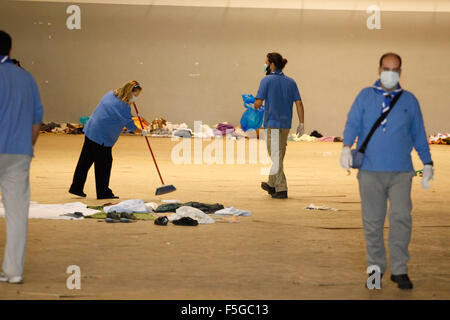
[{"x": 4, "y": 59}]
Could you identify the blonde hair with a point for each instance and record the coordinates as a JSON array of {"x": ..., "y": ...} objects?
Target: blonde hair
[{"x": 126, "y": 91}]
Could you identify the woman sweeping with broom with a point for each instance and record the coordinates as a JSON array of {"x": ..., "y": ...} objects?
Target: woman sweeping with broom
[{"x": 101, "y": 133}]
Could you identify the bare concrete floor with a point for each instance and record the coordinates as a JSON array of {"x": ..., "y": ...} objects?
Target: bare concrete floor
[{"x": 281, "y": 252}]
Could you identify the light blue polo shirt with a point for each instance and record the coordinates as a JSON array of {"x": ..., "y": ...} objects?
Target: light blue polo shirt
[
  {"x": 108, "y": 119},
  {"x": 20, "y": 108},
  {"x": 279, "y": 93},
  {"x": 388, "y": 150}
]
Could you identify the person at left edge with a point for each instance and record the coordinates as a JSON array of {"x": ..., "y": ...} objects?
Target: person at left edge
[{"x": 101, "y": 133}]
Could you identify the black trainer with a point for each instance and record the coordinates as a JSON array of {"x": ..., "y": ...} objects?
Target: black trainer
[
  {"x": 265, "y": 186},
  {"x": 280, "y": 195},
  {"x": 403, "y": 281},
  {"x": 128, "y": 216},
  {"x": 78, "y": 193},
  {"x": 113, "y": 215}
]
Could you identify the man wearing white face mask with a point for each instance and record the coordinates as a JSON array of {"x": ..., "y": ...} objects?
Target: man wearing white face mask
[
  {"x": 386, "y": 172},
  {"x": 101, "y": 133}
]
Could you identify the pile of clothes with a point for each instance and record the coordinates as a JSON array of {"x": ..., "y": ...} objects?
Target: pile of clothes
[
  {"x": 68, "y": 128},
  {"x": 440, "y": 139},
  {"x": 189, "y": 214},
  {"x": 313, "y": 137}
]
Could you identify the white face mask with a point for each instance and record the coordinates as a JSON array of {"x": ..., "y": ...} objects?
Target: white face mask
[
  {"x": 389, "y": 79},
  {"x": 133, "y": 98}
]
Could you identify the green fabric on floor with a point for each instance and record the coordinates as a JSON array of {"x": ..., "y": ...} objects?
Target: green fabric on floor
[{"x": 102, "y": 215}]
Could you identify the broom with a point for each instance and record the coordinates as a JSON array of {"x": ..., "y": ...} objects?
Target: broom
[{"x": 164, "y": 188}]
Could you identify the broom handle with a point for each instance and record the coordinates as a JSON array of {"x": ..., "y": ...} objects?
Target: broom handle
[{"x": 148, "y": 143}]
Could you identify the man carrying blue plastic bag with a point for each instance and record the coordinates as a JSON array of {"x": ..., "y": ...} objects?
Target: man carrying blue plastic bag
[
  {"x": 387, "y": 171},
  {"x": 279, "y": 93}
]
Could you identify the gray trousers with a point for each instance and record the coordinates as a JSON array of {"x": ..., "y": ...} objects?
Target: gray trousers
[
  {"x": 376, "y": 188},
  {"x": 277, "y": 151},
  {"x": 15, "y": 187}
]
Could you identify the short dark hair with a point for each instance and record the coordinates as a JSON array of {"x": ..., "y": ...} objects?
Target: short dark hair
[
  {"x": 5, "y": 43},
  {"x": 277, "y": 60},
  {"x": 391, "y": 54}
]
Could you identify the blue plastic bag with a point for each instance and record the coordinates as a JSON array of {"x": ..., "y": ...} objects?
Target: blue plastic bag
[{"x": 252, "y": 118}]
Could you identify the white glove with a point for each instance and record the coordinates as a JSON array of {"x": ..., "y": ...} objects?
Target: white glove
[
  {"x": 346, "y": 158},
  {"x": 300, "y": 129},
  {"x": 144, "y": 132},
  {"x": 427, "y": 175}
]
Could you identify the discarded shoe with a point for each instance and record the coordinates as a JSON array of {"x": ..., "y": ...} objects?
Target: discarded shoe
[
  {"x": 109, "y": 220},
  {"x": 185, "y": 221},
  {"x": 162, "y": 221},
  {"x": 280, "y": 195},
  {"x": 113, "y": 215},
  {"x": 265, "y": 186},
  {"x": 403, "y": 281},
  {"x": 128, "y": 216},
  {"x": 76, "y": 215}
]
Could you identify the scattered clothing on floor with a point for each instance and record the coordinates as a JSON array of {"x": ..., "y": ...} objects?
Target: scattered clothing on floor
[
  {"x": 54, "y": 211},
  {"x": 157, "y": 124},
  {"x": 122, "y": 215},
  {"x": 129, "y": 206},
  {"x": 162, "y": 221},
  {"x": 171, "y": 201},
  {"x": 185, "y": 221},
  {"x": 314, "y": 207},
  {"x": 305, "y": 137},
  {"x": 206, "y": 132},
  {"x": 206, "y": 208},
  {"x": 233, "y": 211},
  {"x": 168, "y": 207},
  {"x": 74, "y": 215},
  {"x": 316, "y": 134},
  {"x": 151, "y": 206},
  {"x": 223, "y": 129},
  {"x": 439, "y": 139},
  {"x": 172, "y": 207},
  {"x": 193, "y": 213},
  {"x": 239, "y": 133},
  {"x": 183, "y": 133}
]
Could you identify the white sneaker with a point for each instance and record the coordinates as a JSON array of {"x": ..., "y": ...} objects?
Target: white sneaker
[{"x": 13, "y": 280}]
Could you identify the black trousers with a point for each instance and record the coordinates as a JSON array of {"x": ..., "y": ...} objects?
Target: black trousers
[{"x": 101, "y": 157}]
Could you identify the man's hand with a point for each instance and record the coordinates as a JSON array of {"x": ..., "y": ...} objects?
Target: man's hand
[
  {"x": 427, "y": 175},
  {"x": 35, "y": 133},
  {"x": 258, "y": 104},
  {"x": 346, "y": 158},
  {"x": 300, "y": 129}
]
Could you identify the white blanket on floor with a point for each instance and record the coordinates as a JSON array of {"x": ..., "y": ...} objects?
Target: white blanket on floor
[{"x": 55, "y": 211}]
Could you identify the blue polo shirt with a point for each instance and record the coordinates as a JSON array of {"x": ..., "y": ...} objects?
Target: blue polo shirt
[
  {"x": 388, "y": 150},
  {"x": 279, "y": 93},
  {"x": 20, "y": 108},
  {"x": 108, "y": 119}
]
